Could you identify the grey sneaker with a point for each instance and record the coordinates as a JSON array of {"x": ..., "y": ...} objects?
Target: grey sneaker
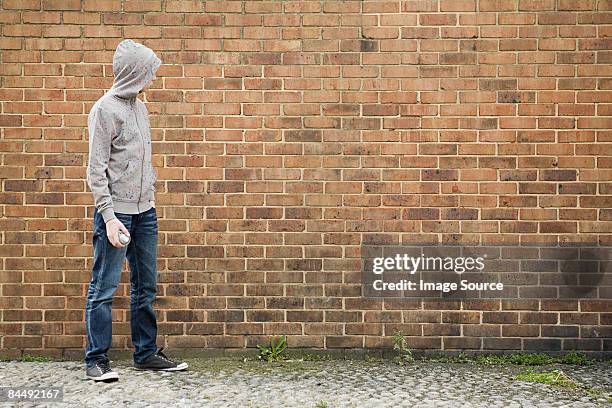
[
  {"x": 159, "y": 361},
  {"x": 101, "y": 371}
]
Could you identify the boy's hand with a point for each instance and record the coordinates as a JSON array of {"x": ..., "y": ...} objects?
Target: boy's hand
[{"x": 112, "y": 232}]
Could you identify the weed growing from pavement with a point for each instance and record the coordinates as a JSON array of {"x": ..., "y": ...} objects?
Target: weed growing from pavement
[
  {"x": 295, "y": 360},
  {"x": 27, "y": 358},
  {"x": 523, "y": 359},
  {"x": 404, "y": 353},
  {"x": 373, "y": 359},
  {"x": 35, "y": 359},
  {"x": 558, "y": 378},
  {"x": 555, "y": 377},
  {"x": 317, "y": 357},
  {"x": 274, "y": 351}
]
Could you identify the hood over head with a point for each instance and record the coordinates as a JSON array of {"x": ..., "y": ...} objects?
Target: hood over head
[{"x": 133, "y": 65}]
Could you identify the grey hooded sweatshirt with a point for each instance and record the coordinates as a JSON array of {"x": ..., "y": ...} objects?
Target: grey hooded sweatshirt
[{"x": 119, "y": 172}]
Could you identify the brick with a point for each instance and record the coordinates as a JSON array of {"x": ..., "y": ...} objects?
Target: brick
[
  {"x": 61, "y": 31},
  {"x": 542, "y": 344},
  {"x": 100, "y": 5},
  {"x": 59, "y": 5},
  {"x": 509, "y": 343},
  {"x": 142, "y": 5}
]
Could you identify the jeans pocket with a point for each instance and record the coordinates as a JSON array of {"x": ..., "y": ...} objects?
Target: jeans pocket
[
  {"x": 99, "y": 227},
  {"x": 148, "y": 222}
]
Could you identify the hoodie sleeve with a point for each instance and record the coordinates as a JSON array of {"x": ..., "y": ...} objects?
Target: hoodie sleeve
[{"x": 101, "y": 129}]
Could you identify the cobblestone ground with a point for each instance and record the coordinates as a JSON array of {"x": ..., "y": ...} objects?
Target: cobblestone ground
[{"x": 235, "y": 382}]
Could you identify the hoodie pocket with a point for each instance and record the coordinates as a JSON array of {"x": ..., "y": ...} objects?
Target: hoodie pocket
[
  {"x": 127, "y": 185},
  {"x": 149, "y": 179},
  {"x": 124, "y": 172}
]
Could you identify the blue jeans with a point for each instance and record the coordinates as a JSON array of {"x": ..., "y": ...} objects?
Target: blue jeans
[{"x": 108, "y": 263}]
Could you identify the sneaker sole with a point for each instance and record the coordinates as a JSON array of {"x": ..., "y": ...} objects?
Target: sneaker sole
[
  {"x": 179, "y": 367},
  {"x": 108, "y": 377}
]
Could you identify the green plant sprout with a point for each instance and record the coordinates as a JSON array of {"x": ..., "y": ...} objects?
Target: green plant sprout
[
  {"x": 274, "y": 351},
  {"x": 404, "y": 352}
]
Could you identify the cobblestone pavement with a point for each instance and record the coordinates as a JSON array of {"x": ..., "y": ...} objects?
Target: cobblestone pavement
[{"x": 235, "y": 382}]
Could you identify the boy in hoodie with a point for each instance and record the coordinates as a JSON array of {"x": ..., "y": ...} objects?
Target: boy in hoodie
[{"x": 122, "y": 179}]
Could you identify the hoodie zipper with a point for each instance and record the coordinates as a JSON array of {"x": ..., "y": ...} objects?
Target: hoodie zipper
[{"x": 132, "y": 102}]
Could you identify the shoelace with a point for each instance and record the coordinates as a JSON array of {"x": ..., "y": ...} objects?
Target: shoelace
[
  {"x": 104, "y": 366},
  {"x": 162, "y": 355}
]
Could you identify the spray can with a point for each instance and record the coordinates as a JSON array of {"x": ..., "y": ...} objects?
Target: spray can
[{"x": 124, "y": 239}]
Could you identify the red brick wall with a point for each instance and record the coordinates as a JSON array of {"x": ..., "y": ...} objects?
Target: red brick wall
[{"x": 287, "y": 131}]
